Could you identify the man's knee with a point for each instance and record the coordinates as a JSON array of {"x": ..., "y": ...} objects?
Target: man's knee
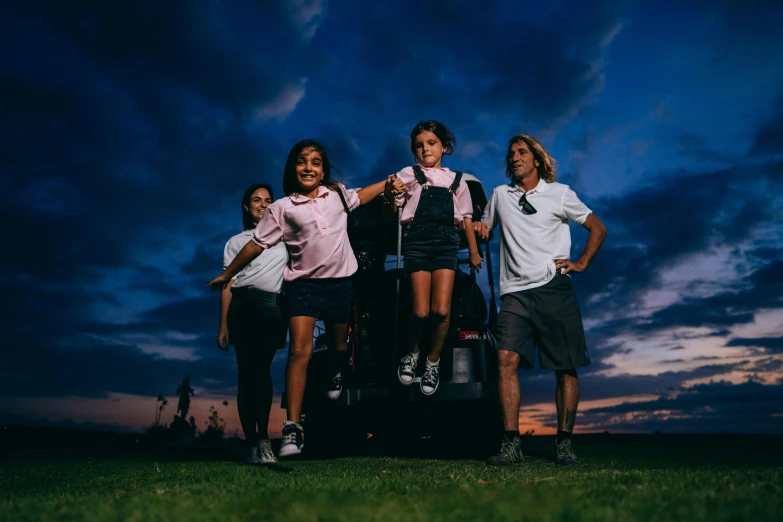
[
  {"x": 508, "y": 361},
  {"x": 566, "y": 375}
]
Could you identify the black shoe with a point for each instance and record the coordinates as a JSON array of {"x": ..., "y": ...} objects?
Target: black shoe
[
  {"x": 293, "y": 439},
  {"x": 406, "y": 372},
  {"x": 335, "y": 388},
  {"x": 430, "y": 379},
  {"x": 510, "y": 453},
  {"x": 564, "y": 454}
]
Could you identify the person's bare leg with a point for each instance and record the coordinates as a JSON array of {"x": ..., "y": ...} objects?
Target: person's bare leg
[
  {"x": 421, "y": 282},
  {"x": 440, "y": 310},
  {"x": 508, "y": 388},
  {"x": 566, "y": 399},
  {"x": 300, "y": 348}
]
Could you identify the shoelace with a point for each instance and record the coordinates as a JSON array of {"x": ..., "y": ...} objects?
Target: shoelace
[
  {"x": 337, "y": 381},
  {"x": 507, "y": 449},
  {"x": 266, "y": 452},
  {"x": 290, "y": 437},
  {"x": 407, "y": 364},
  {"x": 430, "y": 375},
  {"x": 564, "y": 449}
]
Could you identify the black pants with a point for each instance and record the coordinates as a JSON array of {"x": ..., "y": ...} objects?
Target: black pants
[{"x": 257, "y": 329}]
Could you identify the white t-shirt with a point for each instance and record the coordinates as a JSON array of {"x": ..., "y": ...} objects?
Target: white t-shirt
[
  {"x": 529, "y": 244},
  {"x": 264, "y": 272}
]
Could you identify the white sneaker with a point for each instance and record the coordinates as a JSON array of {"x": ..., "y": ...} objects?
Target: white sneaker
[
  {"x": 431, "y": 378},
  {"x": 293, "y": 439},
  {"x": 407, "y": 369},
  {"x": 265, "y": 454}
]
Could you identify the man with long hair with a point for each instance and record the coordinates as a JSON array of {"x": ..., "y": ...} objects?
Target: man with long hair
[{"x": 539, "y": 310}]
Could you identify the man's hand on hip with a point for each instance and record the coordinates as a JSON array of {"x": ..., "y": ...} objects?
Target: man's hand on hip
[{"x": 566, "y": 266}]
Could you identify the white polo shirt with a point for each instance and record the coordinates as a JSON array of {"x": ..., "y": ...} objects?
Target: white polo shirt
[
  {"x": 529, "y": 244},
  {"x": 265, "y": 272}
]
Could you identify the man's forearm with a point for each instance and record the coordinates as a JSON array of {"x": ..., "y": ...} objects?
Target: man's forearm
[{"x": 594, "y": 242}]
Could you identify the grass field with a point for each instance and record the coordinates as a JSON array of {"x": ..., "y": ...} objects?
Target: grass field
[{"x": 622, "y": 477}]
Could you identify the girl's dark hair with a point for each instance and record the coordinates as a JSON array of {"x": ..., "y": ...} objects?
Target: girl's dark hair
[
  {"x": 438, "y": 129},
  {"x": 247, "y": 217},
  {"x": 290, "y": 185}
]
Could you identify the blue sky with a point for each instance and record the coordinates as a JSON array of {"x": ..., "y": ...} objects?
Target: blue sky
[{"x": 131, "y": 129}]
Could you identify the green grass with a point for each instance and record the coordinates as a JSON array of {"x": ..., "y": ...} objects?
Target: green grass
[{"x": 621, "y": 478}]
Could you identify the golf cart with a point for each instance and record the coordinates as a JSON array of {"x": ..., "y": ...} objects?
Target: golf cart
[{"x": 373, "y": 403}]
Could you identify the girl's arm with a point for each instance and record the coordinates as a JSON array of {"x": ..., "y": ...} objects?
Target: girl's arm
[
  {"x": 371, "y": 192},
  {"x": 225, "y": 301},
  {"x": 248, "y": 253},
  {"x": 470, "y": 236}
]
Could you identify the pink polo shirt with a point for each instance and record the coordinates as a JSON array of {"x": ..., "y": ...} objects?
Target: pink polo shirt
[
  {"x": 463, "y": 206},
  {"x": 315, "y": 230}
]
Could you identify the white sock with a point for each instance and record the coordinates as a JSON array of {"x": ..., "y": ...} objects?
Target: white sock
[
  {"x": 436, "y": 363},
  {"x": 415, "y": 356}
]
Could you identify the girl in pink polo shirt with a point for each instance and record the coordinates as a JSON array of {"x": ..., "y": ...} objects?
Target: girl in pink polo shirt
[
  {"x": 436, "y": 201},
  {"x": 312, "y": 222}
]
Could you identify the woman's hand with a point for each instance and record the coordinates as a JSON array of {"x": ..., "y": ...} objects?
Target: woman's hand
[
  {"x": 222, "y": 338},
  {"x": 475, "y": 260}
]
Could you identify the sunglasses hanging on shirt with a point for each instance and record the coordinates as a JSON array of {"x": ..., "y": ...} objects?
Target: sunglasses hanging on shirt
[{"x": 525, "y": 206}]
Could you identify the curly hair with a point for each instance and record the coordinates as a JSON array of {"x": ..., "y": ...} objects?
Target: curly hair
[{"x": 547, "y": 166}]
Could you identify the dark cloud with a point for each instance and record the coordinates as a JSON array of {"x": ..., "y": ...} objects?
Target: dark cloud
[
  {"x": 770, "y": 344},
  {"x": 751, "y": 406},
  {"x": 692, "y": 145}
]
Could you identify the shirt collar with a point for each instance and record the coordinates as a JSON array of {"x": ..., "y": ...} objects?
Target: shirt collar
[
  {"x": 298, "y": 199},
  {"x": 444, "y": 169},
  {"x": 541, "y": 187}
]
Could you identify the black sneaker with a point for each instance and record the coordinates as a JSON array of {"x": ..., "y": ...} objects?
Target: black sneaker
[
  {"x": 407, "y": 369},
  {"x": 430, "y": 379},
  {"x": 510, "y": 453},
  {"x": 293, "y": 439},
  {"x": 335, "y": 388},
  {"x": 564, "y": 454}
]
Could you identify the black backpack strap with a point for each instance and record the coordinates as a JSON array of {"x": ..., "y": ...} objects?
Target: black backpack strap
[
  {"x": 420, "y": 177},
  {"x": 455, "y": 185},
  {"x": 339, "y": 190}
]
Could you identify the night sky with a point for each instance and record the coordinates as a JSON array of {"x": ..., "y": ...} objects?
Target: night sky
[{"x": 130, "y": 130}]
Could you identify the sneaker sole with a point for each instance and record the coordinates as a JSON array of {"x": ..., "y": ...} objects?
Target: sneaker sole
[
  {"x": 290, "y": 452},
  {"x": 334, "y": 398},
  {"x": 404, "y": 383},
  {"x": 430, "y": 393}
]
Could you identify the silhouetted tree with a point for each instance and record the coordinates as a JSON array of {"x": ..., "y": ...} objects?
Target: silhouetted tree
[
  {"x": 216, "y": 426},
  {"x": 160, "y": 403}
]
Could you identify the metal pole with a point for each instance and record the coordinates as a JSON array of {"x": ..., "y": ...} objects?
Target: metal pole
[{"x": 395, "y": 335}]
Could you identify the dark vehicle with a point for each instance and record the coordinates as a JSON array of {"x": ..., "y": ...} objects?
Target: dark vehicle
[{"x": 373, "y": 402}]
